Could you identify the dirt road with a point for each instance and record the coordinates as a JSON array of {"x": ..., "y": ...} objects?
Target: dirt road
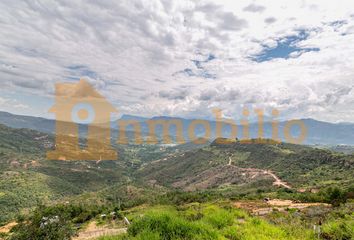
[
  {"x": 256, "y": 171},
  {"x": 278, "y": 181},
  {"x": 93, "y": 231}
]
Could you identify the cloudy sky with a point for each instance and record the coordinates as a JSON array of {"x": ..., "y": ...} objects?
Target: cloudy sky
[{"x": 182, "y": 57}]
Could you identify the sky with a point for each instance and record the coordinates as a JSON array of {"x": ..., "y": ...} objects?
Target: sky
[{"x": 181, "y": 57}]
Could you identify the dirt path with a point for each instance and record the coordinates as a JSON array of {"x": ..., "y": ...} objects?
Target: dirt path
[
  {"x": 93, "y": 231},
  {"x": 256, "y": 171},
  {"x": 6, "y": 228},
  {"x": 278, "y": 181}
]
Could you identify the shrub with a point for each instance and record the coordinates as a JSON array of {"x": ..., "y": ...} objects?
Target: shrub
[
  {"x": 219, "y": 218},
  {"x": 338, "y": 230},
  {"x": 169, "y": 226},
  {"x": 44, "y": 225},
  {"x": 53, "y": 222}
]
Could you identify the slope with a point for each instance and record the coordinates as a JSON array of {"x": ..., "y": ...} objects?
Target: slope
[{"x": 252, "y": 165}]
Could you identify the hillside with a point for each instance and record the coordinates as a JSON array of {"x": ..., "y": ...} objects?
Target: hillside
[
  {"x": 257, "y": 165},
  {"x": 27, "y": 178}
]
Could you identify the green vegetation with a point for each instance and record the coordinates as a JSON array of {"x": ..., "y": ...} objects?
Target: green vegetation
[
  {"x": 221, "y": 221},
  {"x": 57, "y": 222},
  {"x": 177, "y": 184},
  {"x": 201, "y": 222},
  {"x": 27, "y": 179},
  {"x": 300, "y": 166},
  {"x": 217, "y": 220}
]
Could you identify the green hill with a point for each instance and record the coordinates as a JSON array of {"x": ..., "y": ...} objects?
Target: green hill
[
  {"x": 27, "y": 178},
  {"x": 239, "y": 164}
]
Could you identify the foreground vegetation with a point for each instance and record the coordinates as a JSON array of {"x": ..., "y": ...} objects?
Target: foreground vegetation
[
  {"x": 216, "y": 220},
  {"x": 207, "y": 221},
  {"x": 223, "y": 221}
]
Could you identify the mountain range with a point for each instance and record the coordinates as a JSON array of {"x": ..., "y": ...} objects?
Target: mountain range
[{"x": 318, "y": 132}]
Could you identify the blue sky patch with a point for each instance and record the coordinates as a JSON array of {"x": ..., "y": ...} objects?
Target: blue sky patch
[
  {"x": 337, "y": 24},
  {"x": 198, "y": 63},
  {"x": 201, "y": 71},
  {"x": 78, "y": 71},
  {"x": 285, "y": 47},
  {"x": 189, "y": 72}
]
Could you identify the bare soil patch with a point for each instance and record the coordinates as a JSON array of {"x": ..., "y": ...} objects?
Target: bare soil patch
[
  {"x": 93, "y": 231},
  {"x": 265, "y": 207},
  {"x": 7, "y": 228}
]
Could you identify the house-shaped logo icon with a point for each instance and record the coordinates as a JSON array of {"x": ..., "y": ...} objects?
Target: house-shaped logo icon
[{"x": 68, "y": 145}]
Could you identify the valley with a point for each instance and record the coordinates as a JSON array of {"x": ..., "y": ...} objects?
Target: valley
[
  {"x": 176, "y": 120},
  {"x": 255, "y": 180}
]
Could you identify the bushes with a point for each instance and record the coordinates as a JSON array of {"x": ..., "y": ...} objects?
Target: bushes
[
  {"x": 258, "y": 229},
  {"x": 179, "y": 197},
  {"x": 191, "y": 221},
  {"x": 45, "y": 223},
  {"x": 340, "y": 223},
  {"x": 169, "y": 226},
  {"x": 338, "y": 230},
  {"x": 335, "y": 196},
  {"x": 219, "y": 218},
  {"x": 214, "y": 222},
  {"x": 54, "y": 222}
]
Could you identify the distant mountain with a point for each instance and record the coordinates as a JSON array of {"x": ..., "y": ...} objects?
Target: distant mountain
[
  {"x": 341, "y": 148},
  {"x": 34, "y": 123},
  {"x": 132, "y": 117},
  {"x": 319, "y": 132}
]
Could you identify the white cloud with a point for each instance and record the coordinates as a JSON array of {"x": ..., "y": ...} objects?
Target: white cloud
[
  {"x": 12, "y": 105},
  {"x": 3, "y": 101},
  {"x": 131, "y": 50}
]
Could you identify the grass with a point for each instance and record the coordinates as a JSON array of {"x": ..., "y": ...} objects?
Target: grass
[
  {"x": 205, "y": 221},
  {"x": 213, "y": 220}
]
